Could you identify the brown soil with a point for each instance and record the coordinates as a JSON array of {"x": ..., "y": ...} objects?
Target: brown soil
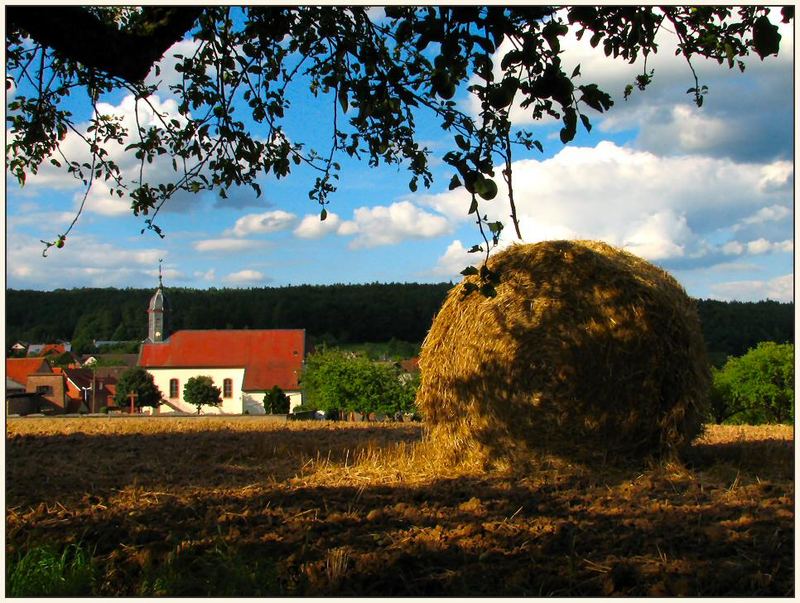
[{"x": 371, "y": 510}]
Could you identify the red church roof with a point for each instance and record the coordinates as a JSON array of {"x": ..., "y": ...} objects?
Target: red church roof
[{"x": 269, "y": 357}]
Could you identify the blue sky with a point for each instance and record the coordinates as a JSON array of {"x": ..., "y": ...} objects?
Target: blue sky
[{"x": 705, "y": 193}]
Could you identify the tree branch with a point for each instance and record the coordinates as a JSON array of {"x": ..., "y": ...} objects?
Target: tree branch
[{"x": 74, "y": 32}]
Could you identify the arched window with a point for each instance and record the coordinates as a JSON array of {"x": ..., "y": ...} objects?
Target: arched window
[
  {"x": 173, "y": 388},
  {"x": 227, "y": 388}
]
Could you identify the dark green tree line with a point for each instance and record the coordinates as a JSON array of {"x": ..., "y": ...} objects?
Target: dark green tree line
[{"x": 402, "y": 312}]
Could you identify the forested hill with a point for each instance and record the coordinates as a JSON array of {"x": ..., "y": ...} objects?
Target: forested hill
[{"x": 337, "y": 313}]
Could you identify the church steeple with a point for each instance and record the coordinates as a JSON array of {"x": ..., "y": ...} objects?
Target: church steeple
[{"x": 156, "y": 310}]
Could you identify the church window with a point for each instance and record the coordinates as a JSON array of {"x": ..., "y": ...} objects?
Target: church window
[
  {"x": 227, "y": 388},
  {"x": 173, "y": 388}
]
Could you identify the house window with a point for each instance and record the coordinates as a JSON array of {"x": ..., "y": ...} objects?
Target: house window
[
  {"x": 173, "y": 388},
  {"x": 227, "y": 388},
  {"x": 44, "y": 390}
]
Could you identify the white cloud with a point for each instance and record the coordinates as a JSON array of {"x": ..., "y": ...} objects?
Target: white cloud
[
  {"x": 387, "y": 225},
  {"x": 224, "y": 244},
  {"x": 83, "y": 262},
  {"x": 761, "y": 246},
  {"x": 777, "y": 176},
  {"x": 773, "y": 213},
  {"x": 271, "y": 221},
  {"x": 778, "y": 289},
  {"x": 245, "y": 276},
  {"x": 660, "y": 235},
  {"x": 454, "y": 260},
  {"x": 660, "y": 207},
  {"x": 378, "y": 225},
  {"x": 34, "y": 216},
  {"x": 311, "y": 227},
  {"x": 733, "y": 248},
  {"x": 208, "y": 275}
]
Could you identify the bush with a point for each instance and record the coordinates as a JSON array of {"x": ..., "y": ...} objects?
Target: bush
[
  {"x": 304, "y": 408},
  {"x": 335, "y": 380},
  {"x": 755, "y": 388},
  {"x": 276, "y": 402}
]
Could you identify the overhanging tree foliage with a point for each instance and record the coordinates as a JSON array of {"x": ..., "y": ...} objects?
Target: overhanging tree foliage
[{"x": 376, "y": 74}]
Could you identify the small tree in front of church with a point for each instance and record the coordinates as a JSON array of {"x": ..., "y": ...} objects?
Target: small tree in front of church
[
  {"x": 276, "y": 402},
  {"x": 200, "y": 391}
]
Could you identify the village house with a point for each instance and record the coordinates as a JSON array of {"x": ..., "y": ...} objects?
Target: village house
[
  {"x": 244, "y": 364},
  {"x": 33, "y": 386}
]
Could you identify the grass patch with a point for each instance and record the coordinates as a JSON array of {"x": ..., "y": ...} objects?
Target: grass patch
[
  {"x": 44, "y": 571},
  {"x": 219, "y": 570}
]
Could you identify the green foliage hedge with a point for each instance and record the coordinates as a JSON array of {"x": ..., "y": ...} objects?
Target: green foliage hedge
[{"x": 755, "y": 388}]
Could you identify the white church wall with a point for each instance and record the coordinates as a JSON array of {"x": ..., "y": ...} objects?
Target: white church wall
[{"x": 230, "y": 405}]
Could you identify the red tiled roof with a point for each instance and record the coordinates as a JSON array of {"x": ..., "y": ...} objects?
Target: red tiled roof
[
  {"x": 18, "y": 369},
  {"x": 269, "y": 357}
]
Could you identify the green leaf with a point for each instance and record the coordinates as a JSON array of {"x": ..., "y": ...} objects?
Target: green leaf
[
  {"x": 343, "y": 98},
  {"x": 495, "y": 227},
  {"x": 766, "y": 39},
  {"x": 323, "y": 215},
  {"x": 454, "y": 183},
  {"x": 586, "y": 123},
  {"x": 486, "y": 188}
]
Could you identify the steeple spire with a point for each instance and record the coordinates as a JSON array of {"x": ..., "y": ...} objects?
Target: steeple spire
[{"x": 156, "y": 310}]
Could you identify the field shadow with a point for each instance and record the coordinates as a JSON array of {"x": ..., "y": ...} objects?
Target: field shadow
[
  {"x": 465, "y": 536},
  {"x": 46, "y": 466},
  {"x": 765, "y": 458}
]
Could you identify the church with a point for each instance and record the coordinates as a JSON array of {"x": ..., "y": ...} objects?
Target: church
[{"x": 245, "y": 363}]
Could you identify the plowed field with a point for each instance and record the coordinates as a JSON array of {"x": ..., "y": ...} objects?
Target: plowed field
[{"x": 241, "y": 506}]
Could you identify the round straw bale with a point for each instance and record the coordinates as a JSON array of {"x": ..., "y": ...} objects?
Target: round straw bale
[{"x": 586, "y": 352}]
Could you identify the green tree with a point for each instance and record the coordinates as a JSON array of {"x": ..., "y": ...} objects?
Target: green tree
[
  {"x": 757, "y": 387},
  {"x": 379, "y": 73},
  {"x": 335, "y": 380},
  {"x": 276, "y": 402},
  {"x": 138, "y": 381},
  {"x": 64, "y": 359},
  {"x": 201, "y": 391}
]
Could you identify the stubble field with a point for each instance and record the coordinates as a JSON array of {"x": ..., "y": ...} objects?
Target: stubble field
[{"x": 242, "y": 506}]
